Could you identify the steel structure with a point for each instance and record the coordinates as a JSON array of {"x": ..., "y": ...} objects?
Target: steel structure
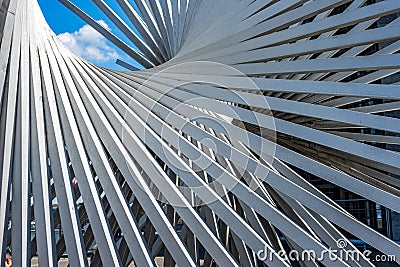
[{"x": 185, "y": 156}]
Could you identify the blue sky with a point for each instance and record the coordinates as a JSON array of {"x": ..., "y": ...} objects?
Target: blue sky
[{"x": 83, "y": 39}]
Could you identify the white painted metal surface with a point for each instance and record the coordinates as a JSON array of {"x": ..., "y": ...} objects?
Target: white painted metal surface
[{"x": 200, "y": 157}]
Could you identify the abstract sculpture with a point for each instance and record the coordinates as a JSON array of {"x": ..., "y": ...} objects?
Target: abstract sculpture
[{"x": 200, "y": 157}]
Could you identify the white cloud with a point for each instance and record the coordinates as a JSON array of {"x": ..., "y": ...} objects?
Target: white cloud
[{"x": 89, "y": 44}]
